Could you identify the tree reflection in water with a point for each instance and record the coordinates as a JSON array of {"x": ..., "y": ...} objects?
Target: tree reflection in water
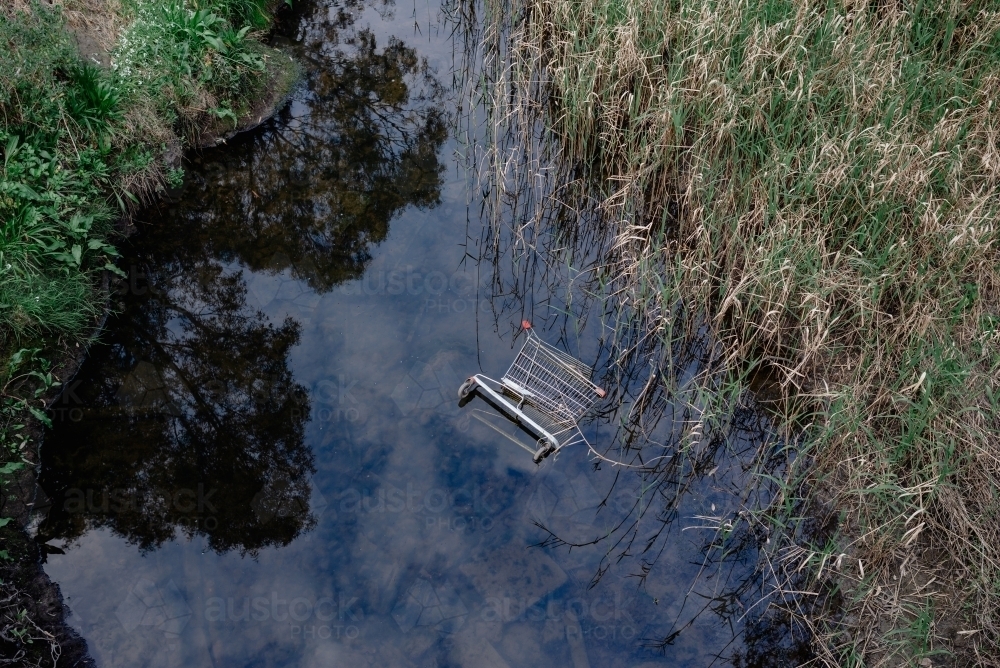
[{"x": 187, "y": 417}]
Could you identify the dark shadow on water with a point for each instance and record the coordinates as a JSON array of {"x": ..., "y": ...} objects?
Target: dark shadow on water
[{"x": 186, "y": 417}]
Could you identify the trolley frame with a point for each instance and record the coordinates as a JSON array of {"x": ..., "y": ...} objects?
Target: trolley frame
[{"x": 545, "y": 390}]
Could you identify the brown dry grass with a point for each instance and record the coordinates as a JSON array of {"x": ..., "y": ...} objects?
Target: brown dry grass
[{"x": 820, "y": 180}]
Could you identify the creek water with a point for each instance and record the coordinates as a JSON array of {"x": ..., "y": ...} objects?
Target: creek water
[{"x": 263, "y": 462}]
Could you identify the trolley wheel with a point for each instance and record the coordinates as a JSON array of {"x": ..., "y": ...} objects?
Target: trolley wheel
[
  {"x": 467, "y": 388},
  {"x": 544, "y": 450}
]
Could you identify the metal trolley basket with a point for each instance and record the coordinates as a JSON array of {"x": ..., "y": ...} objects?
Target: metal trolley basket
[{"x": 544, "y": 390}]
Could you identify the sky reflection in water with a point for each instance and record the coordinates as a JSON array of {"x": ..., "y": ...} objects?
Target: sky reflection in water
[{"x": 265, "y": 464}]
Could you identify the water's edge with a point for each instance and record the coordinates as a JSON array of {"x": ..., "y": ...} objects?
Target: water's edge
[{"x": 40, "y": 596}]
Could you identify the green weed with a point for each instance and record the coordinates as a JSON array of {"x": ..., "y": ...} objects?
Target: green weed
[
  {"x": 92, "y": 100},
  {"x": 188, "y": 61}
]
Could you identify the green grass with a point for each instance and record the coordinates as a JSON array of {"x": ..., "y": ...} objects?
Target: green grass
[
  {"x": 188, "y": 60},
  {"x": 818, "y": 181},
  {"x": 53, "y": 188}
]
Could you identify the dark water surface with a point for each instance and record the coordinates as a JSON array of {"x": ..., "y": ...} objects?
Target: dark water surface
[{"x": 264, "y": 463}]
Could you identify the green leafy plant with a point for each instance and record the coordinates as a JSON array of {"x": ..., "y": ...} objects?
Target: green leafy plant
[
  {"x": 245, "y": 12},
  {"x": 224, "y": 113},
  {"x": 92, "y": 101},
  {"x": 175, "y": 177},
  {"x": 195, "y": 26}
]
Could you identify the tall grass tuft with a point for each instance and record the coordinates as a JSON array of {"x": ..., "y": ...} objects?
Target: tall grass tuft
[
  {"x": 819, "y": 181},
  {"x": 92, "y": 100}
]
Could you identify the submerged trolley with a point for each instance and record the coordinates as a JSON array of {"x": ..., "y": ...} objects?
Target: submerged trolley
[{"x": 544, "y": 390}]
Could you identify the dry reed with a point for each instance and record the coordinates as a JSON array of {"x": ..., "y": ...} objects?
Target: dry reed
[{"x": 818, "y": 180}]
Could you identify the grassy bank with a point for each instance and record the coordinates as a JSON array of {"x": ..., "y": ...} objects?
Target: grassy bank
[
  {"x": 84, "y": 144},
  {"x": 817, "y": 181},
  {"x": 98, "y": 100}
]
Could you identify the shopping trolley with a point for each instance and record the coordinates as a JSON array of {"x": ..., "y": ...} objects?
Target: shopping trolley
[{"x": 544, "y": 390}]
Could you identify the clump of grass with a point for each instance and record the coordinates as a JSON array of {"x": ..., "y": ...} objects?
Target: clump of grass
[
  {"x": 190, "y": 62},
  {"x": 92, "y": 101},
  {"x": 819, "y": 181}
]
